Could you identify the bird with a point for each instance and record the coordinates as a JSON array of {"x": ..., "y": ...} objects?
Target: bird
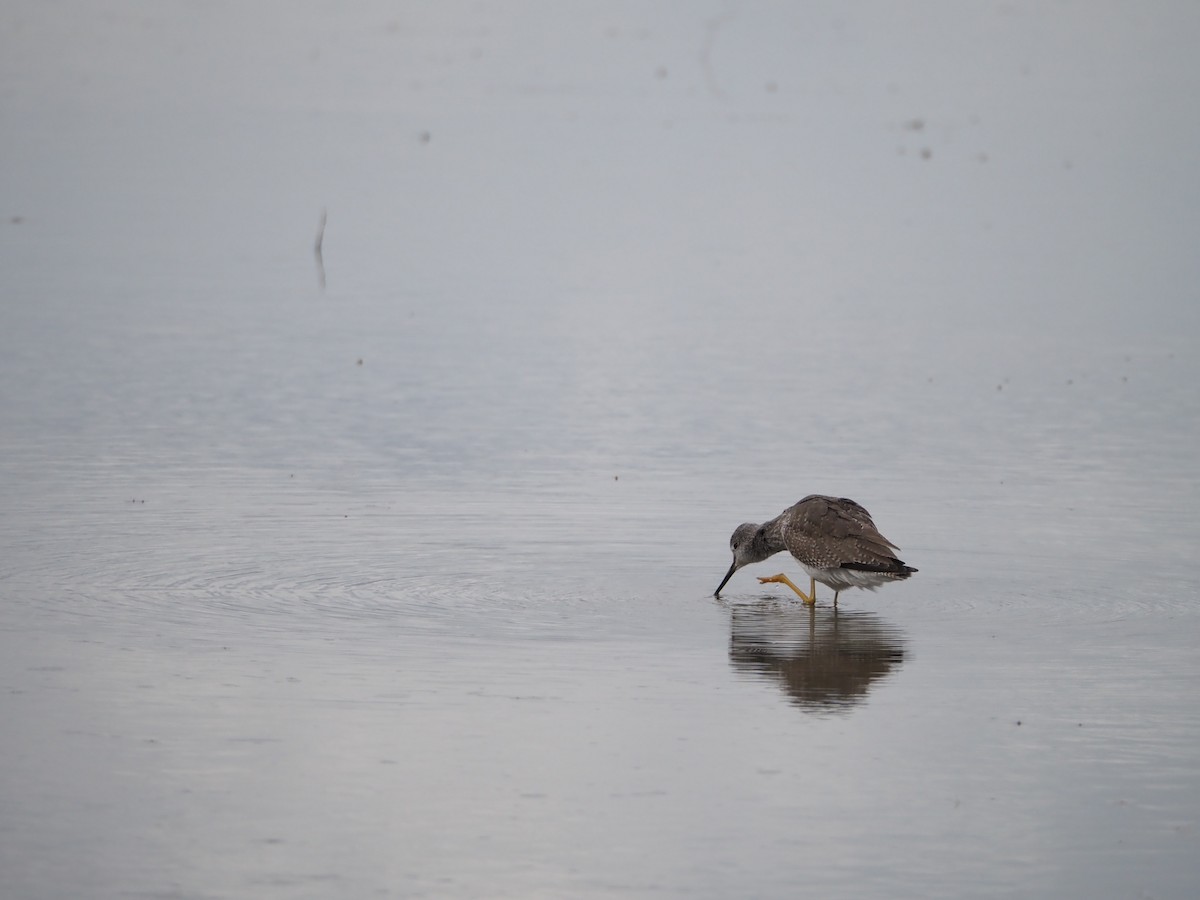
[{"x": 833, "y": 538}]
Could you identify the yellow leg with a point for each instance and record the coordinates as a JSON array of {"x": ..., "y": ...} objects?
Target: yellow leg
[{"x": 783, "y": 579}]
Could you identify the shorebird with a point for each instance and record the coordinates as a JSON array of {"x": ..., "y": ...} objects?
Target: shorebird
[{"x": 833, "y": 539}]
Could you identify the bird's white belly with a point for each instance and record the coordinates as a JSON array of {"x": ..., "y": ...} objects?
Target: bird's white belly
[{"x": 844, "y": 579}]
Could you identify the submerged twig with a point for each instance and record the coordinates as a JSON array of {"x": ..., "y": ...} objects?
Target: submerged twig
[{"x": 317, "y": 251}]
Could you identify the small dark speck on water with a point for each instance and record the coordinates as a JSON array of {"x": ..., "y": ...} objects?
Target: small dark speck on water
[
  {"x": 1018, "y": 721},
  {"x": 359, "y": 363},
  {"x": 425, "y": 137},
  {"x": 926, "y": 153}
]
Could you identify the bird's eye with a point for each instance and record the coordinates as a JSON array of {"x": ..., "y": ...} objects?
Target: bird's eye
[{"x": 735, "y": 546}]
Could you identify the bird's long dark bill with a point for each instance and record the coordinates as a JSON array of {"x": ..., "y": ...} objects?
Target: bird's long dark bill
[{"x": 725, "y": 580}]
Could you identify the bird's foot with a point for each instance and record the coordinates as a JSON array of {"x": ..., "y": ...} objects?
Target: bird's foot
[{"x": 783, "y": 579}]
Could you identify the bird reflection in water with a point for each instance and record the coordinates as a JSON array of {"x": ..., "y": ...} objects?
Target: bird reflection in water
[{"x": 825, "y": 660}]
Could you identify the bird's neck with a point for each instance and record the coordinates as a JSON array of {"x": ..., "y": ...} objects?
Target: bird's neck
[{"x": 768, "y": 540}]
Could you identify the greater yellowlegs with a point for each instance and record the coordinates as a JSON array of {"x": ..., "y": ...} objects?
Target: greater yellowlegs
[{"x": 832, "y": 538}]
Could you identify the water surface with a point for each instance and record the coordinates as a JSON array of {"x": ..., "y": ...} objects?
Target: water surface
[{"x": 400, "y": 585}]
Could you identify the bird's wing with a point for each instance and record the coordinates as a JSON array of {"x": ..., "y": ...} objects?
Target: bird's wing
[
  {"x": 833, "y": 531},
  {"x": 856, "y": 511}
]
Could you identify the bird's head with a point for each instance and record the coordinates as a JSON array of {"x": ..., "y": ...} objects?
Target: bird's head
[{"x": 749, "y": 545}]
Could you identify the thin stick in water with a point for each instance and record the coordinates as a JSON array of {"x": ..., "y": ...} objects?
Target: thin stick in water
[{"x": 317, "y": 251}]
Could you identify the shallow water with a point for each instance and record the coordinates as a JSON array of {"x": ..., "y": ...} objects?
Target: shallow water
[{"x": 401, "y": 585}]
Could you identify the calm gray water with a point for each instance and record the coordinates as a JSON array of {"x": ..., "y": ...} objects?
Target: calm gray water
[{"x": 400, "y": 584}]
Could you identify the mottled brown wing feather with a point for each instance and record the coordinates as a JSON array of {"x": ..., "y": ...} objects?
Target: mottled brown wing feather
[{"x": 828, "y": 532}]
